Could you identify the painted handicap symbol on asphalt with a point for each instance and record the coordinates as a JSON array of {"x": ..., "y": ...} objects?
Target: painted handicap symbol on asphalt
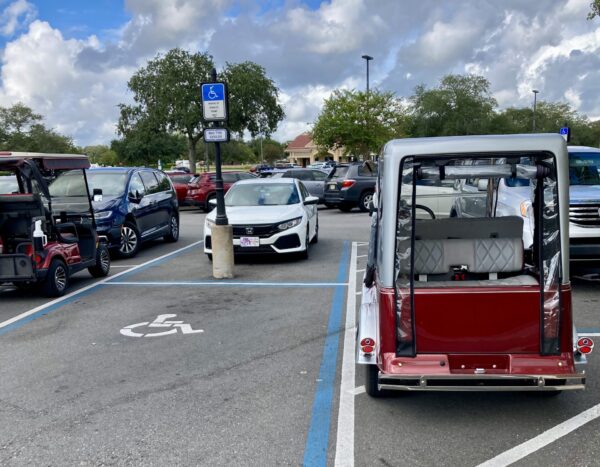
[{"x": 161, "y": 322}]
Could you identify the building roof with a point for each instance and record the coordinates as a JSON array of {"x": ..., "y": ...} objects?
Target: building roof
[{"x": 300, "y": 142}]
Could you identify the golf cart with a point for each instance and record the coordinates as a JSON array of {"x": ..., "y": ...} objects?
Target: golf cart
[
  {"x": 454, "y": 303},
  {"x": 44, "y": 240}
]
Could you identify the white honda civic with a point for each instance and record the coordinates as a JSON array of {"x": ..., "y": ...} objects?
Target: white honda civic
[{"x": 268, "y": 216}]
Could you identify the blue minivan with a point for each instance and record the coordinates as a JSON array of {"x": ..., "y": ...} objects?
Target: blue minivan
[{"x": 136, "y": 205}]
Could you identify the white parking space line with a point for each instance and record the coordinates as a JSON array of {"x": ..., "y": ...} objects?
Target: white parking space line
[
  {"x": 358, "y": 390},
  {"x": 113, "y": 266},
  {"x": 67, "y": 297},
  {"x": 535, "y": 444},
  {"x": 362, "y": 256},
  {"x": 360, "y": 270},
  {"x": 344, "y": 448}
]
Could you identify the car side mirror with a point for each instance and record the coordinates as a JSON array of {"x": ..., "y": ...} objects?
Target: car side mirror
[
  {"x": 97, "y": 195},
  {"x": 135, "y": 197},
  {"x": 311, "y": 200},
  {"x": 482, "y": 184}
]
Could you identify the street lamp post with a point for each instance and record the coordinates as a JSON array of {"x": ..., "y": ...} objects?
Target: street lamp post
[
  {"x": 535, "y": 93},
  {"x": 367, "y": 58}
]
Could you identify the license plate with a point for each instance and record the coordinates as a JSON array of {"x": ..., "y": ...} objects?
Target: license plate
[
  {"x": 333, "y": 186},
  {"x": 249, "y": 241}
]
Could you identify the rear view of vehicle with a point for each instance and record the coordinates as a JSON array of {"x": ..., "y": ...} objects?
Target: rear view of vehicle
[
  {"x": 456, "y": 303},
  {"x": 180, "y": 181},
  {"x": 351, "y": 185},
  {"x": 202, "y": 189}
]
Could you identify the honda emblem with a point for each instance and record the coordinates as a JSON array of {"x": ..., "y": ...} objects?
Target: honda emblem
[{"x": 249, "y": 230}]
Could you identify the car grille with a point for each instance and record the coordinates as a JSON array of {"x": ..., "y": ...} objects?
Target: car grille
[
  {"x": 586, "y": 215},
  {"x": 262, "y": 231}
]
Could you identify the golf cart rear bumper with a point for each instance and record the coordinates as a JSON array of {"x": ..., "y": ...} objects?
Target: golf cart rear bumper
[{"x": 18, "y": 268}]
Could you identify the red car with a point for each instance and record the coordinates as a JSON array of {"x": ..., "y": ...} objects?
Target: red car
[
  {"x": 202, "y": 189},
  {"x": 180, "y": 182}
]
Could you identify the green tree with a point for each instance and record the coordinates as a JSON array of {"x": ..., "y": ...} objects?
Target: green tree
[
  {"x": 21, "y": 129},
  {"x": 594, "y": 9},
  {"x": 360, "y": 123},
  {"x": 271, "y": 150},
  {"x": 166, "y": 93},
  {"x": 145, "y": 146},
  {"x": 102, "y": 155},
  {"x": 460, "y": 105}
]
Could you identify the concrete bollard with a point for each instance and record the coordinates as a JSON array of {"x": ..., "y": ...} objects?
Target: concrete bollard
[{"x": 222, "y": 251}]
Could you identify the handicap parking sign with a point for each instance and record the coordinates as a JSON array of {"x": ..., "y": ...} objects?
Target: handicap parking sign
[
  {"x": 565, "y": 132},
  {"x": 214, "y": 101}
]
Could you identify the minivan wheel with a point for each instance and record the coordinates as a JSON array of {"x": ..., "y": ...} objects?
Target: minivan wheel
[
  {"x": 365, "y": 201},
  {"x": 102, "y": 266},
  {"x": 57, "y": 279},
  {"x": 130, "y": 240},
  {"x": 173, "y": 234}
]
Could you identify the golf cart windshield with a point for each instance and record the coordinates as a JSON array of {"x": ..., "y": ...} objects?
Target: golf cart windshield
[
  {"x": 69, "y": 194},
  {"x": 268, "y": 194}
]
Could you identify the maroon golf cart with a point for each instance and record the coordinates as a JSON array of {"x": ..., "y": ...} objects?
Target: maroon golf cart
[{"x": 44, "y": 240}]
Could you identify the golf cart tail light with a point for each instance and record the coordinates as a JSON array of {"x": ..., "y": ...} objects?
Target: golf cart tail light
[
  {"x": 585, "y": 345},
  {"x": 38, "y": 259},
  {"x": 29, "y": 249},
  {"x": 368, "y": 349},
  {"x": 367, "y": 341},
  {"x": 348, "y": 183}
]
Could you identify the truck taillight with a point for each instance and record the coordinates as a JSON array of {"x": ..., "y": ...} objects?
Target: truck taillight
[
  {"x": 585, "y": 345},
  {"x": 348, "y": 183},
  {"x": 367, "y": 345}
]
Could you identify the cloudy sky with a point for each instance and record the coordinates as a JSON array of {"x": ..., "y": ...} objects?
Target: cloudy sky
[{"x": 70, "y": 60}]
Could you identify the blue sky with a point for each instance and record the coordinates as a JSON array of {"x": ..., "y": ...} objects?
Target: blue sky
[{"x": 70, "y": 60}]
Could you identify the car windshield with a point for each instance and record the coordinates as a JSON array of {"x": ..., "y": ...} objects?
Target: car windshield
[
  {"x": 70, "y": 184},
  {"x": 8, "y": 184},
  {"x": 340, "y": 171},
  {"x": 181, "y": 178},
  {"x": 583, "y": 168},
  {"x": 262, "y": 194}
]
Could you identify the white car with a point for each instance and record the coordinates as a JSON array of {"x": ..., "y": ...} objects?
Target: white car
[{"x": 268, "y": 216}]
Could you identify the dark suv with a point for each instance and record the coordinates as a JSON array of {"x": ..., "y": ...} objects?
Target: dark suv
[
  {"x": 351, "y": 185},
  {"x": 137, "y": 205}
]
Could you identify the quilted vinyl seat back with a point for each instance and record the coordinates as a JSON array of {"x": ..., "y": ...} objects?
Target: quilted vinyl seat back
[
  {"x": 464, "y": 227},
  {"x": 480, "y": 255}
]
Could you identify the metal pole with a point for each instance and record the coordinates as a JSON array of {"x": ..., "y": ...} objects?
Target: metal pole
[
  {"x": 221, "y": 218},
  {"x": 367, "y": 58},
  {"x": 535, "y": 93}
]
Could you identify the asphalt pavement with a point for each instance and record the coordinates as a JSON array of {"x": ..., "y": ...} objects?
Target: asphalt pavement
[{"x": 161, "y": 365}]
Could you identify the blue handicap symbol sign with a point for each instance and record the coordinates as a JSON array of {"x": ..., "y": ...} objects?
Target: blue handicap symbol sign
[
  {"x": 564, "y": 131},
  {"x": 213, "y": 92}
]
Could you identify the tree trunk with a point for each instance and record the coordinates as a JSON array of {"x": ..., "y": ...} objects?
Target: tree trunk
[{"x": 192, "y": 154}]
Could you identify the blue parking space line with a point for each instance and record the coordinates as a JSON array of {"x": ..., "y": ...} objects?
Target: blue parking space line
[
  {"x": 217, "y": 283},
  {"x": 315, "y": 451},
  {"x": 49, "y": 309},
  {"x": 127, "y": 274}
]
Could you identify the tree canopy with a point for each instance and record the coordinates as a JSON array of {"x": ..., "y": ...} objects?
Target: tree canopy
[
  {"x": 167, "y": 98},
  {"x": 359, "y": 122}
]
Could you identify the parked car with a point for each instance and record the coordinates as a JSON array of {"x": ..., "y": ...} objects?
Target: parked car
[
  {"x": 514, "y": 195},
  {"x": 180, "y": 181},
  {"x": 202, "y": 189},
  {"x": 351, "y": 185},
  {"x": 137, "y": 205},
  {"x": 313, "y": 179},
  {"x": 47, "y": 234},
  {"x": 261, "y": 167},
  {"x": 269, "y": 216}
]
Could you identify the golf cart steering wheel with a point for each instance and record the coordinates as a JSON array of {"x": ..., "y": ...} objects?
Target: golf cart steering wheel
[{"x": 426, "y": 209}]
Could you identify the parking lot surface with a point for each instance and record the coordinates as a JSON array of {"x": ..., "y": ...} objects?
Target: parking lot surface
[{"x": 159, "y": 364}]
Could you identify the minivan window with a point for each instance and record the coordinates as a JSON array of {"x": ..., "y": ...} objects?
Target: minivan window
[
  {"x": 583, "y": 168},
  {"x": 150, "y": 182},
  {"x": 163, "y": 181},
  {"x": 136, "y": 187}
]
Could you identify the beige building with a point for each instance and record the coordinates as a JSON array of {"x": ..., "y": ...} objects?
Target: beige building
[{"x": 303, "y": 151}]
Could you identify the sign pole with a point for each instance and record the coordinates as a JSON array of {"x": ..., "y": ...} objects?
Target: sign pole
[{"x": 214, "y": 104}]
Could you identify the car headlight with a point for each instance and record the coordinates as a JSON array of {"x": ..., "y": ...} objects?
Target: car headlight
[
  {"x": 289, "y": 224},
  {"x": 102, "y": 215}
]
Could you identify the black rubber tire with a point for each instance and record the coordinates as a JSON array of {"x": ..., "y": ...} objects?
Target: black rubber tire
[
  {"x": 371, "y": 380},
  {"x": 129, "y": 228},
  {"x": 102, "y": 266},
  {"x": 209, "y": 256},
  {"x": 316, "y": 237},
  {"x": 345, "y": 207},
  {"x": 57, "y": 279},
  {"x": 209, "y": 207},
  {"x": 173, "y": 234},
  {"x": 365, "y": 201},
  {"x": 304, "y": 254}
]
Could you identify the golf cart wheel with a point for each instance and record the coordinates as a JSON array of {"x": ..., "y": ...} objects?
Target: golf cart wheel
[
  {"x": 102, "y": 266},
  {"x": 173, "y": 234},
  {"x": 371, "y": 381},
  {"x": 130, "y": 240},
  {"x": 57, "y": 279}
]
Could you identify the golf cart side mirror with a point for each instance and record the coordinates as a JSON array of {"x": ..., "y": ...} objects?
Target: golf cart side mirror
[
  {"x": 311, "y": 200},
  {"x": 213, "y": 202},
  {"x": 482, "y": 184},
  {"x": 97, "y": 194}
]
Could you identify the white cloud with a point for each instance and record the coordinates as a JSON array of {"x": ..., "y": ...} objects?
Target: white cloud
[{"x": 16, "y": 16}]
